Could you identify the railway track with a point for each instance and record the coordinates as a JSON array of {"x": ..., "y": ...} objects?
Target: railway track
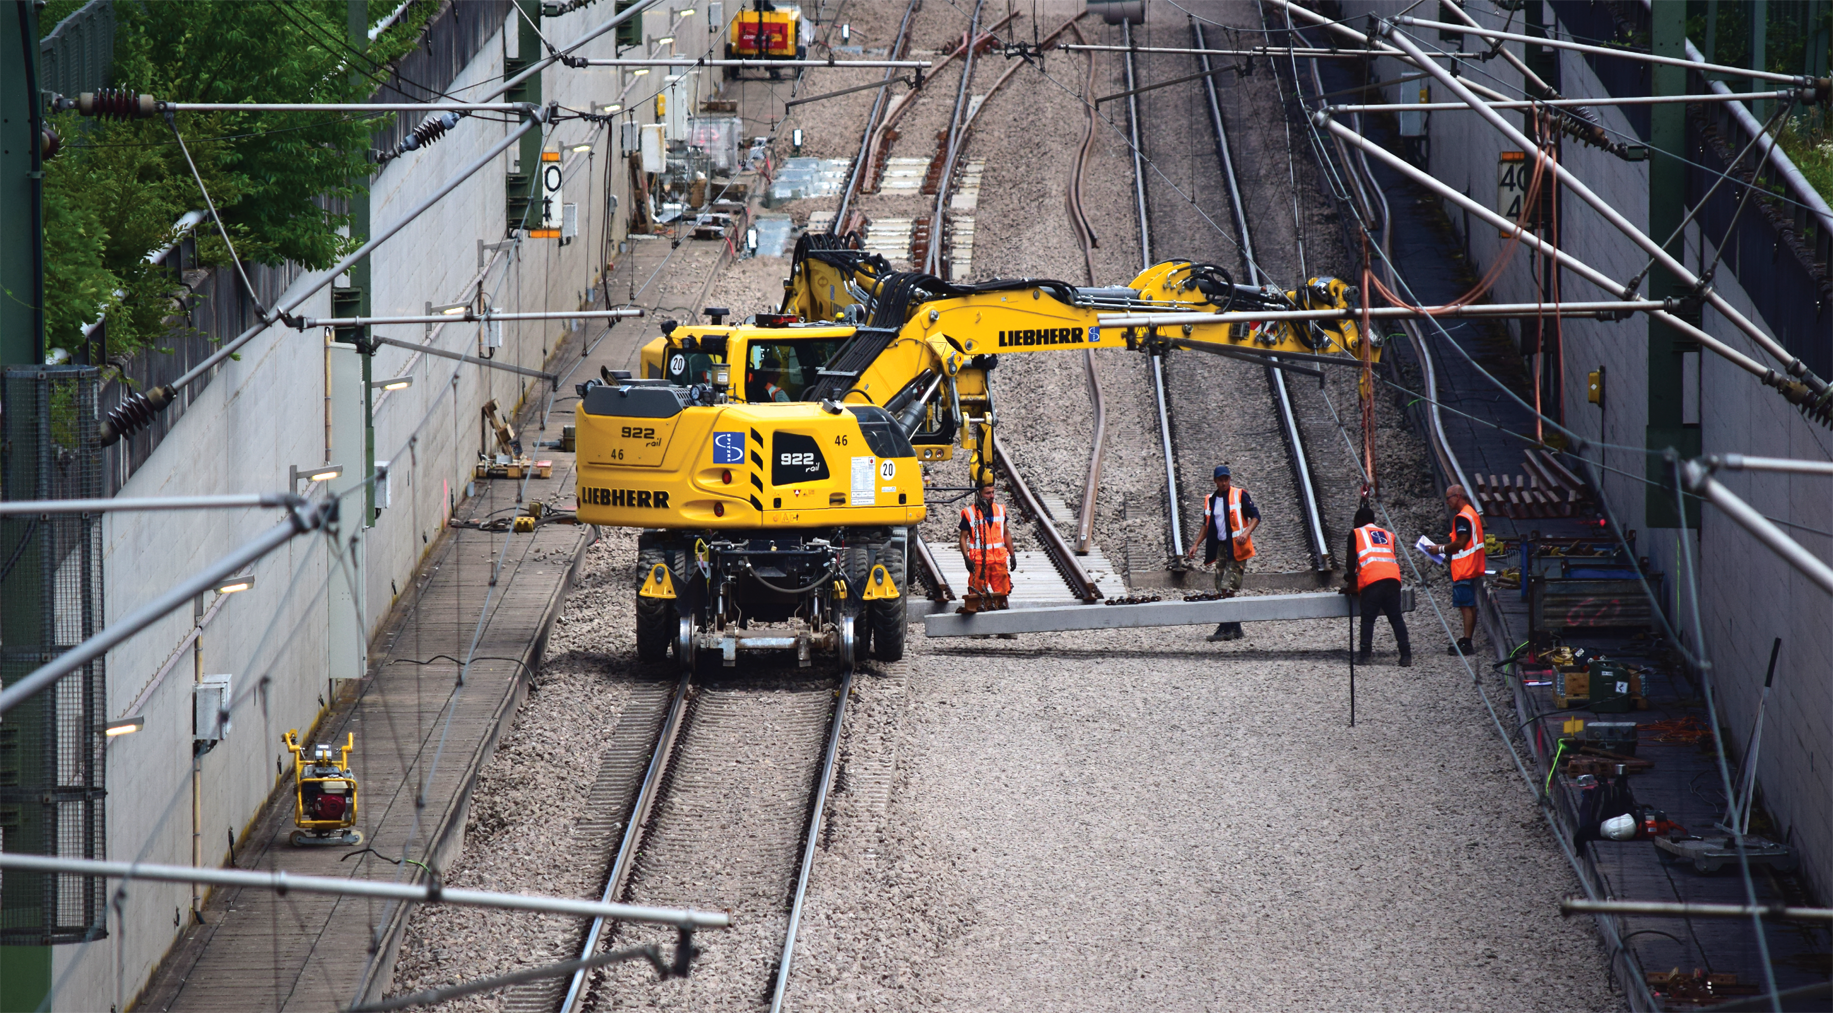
[{"x": 733, "y": 776}]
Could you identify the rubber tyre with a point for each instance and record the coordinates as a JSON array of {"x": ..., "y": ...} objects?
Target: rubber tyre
[
  {"x": 888, "y": 619},
  {"x": 656, "y": 618}
]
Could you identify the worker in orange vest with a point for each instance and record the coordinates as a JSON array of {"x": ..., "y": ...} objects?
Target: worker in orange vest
[
  {"x": 986, "y": 545},
  {"x": 1464, "y": 554},
  {"x": 1229, "y": 520},
  {"x": 1374, "y": 573}
]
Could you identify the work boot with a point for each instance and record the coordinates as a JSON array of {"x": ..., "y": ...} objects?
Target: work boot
[
  {"x": 1234, "y": 632},
  {"x": 1406, "y": 661},
  {"x": 1461, "y": 647},
  {"x": 1362, "y": 656},
  {"x": 1220, "y": 634}
]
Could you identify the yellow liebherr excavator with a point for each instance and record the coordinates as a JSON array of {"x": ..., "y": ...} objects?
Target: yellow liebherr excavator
[{"x": 775, "y": 466}]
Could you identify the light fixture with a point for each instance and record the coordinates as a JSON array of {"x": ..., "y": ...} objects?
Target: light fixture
[
  {"x": 615, "y": 107},
  {"x": 234, "y": 584},
  {"x": 320, "y": 473},
  {"x": 685, "y": 12},
  {"x": 639, "y": 72},
  {"x": 751, "y": 239},
  {"x": 393, "y": 383},
  {"x": 580, "y": 147},
  {"x": 795, "y": 138},
  {"x": 846, "y": 33},
  {"x": 666, "y": 40},
  {"x": 125, "y": 726}
]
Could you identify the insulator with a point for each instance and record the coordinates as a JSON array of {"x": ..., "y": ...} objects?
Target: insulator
[
  {"x": 117, "y": 104},
  {"x": 430, "y": 130},
  {"x": 134, "y": 413}
]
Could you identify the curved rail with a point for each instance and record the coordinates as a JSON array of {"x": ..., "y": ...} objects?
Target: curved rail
[
  {"x": 1085, "y": 232},
  {"x": 878, "y": 108},
  {"x": 1288, "y": 421},
  {"x": 1067, "y": 566}
]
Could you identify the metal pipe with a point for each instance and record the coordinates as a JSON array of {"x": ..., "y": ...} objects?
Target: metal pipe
[
  {"x": 932, "y": 260},
  {"x": 634, "y": 10},
  {"x": 229, "y": 348},
  {"x": 1576, "y": 906},
  {"x": 428, "y": 893},
  {"x": 822, "y": 784},
  {"x": 1174, "y": 509},
  {"x": 1579, "y": 47},
  {"x": 1800, "y": 189},
  {"x": 1793, "y": 366},
  {"x": 1579, "y": 267},
  {"x": 1563, "y": 103},
  {"x": 865, "y": 138},
  {"x": 347, "y": 107},
  {"x": 97, "y": 506},
  {"x": 633, "y": 832},
  {"x": 1526, "y": 72},
  {"x": 1078, "y": 47},
  {"x": 1513, "y": 309},
  {"x": 1740, "y": 462},
  {"x": 1295, "y": 439},
  {"x": 299, "y": 520},
  {"x": 759, "y": 64},
  {"x": 1698, "y": 479},
  {"x": 1139, "y": 169},
  {"x": 470, "y": 317},
  {"x": 552, "y": 378}
]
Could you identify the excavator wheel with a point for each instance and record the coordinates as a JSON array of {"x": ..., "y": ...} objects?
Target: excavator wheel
[
  {"x": 656, "y": 618},
  {"x": 886, "y": 617}
]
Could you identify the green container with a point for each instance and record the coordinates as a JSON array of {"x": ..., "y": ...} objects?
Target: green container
[{"x": 1611, "y": 687}]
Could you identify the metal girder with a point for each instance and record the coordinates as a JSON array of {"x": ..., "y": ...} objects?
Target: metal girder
[{"x": 1258, "y": 608}]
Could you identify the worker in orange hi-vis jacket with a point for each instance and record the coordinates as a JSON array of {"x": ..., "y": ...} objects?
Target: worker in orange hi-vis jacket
[{"x": 986, "y": 545}]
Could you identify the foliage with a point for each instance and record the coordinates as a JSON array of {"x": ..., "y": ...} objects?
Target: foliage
[
  {"x": 1810, "y": 146},
  {"x": 116, "y": 191}
]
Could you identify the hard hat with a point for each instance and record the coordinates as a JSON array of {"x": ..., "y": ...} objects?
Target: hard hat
[
  {"x": 1221, "y": 471},
  {"x": 1620, "y": 828}
]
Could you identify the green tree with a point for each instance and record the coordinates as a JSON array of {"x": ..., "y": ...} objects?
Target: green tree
[{"x": 277, "y": 178}]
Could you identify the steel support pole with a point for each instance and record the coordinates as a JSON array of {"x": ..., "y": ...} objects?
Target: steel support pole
[
  {"x": 298, "y": 522},
  {"x": 1579, "y": 47},
  {"x": 1578, "y": 267},
  {"x": 1699, "y": 480},
  {"x": 507, "y": 367},
  {"x": 426, "y": 893},
  {"x": 1577, "y": 906},
  {"x": 1794, "y": 366},
  {"x": 96, "y": 506}
]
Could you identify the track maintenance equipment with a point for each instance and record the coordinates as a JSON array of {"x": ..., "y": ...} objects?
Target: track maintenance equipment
[
  {"x": 768, "y": 31},
  {"x": 754, "y": 510},
  {"x": 324, "y": 793}
]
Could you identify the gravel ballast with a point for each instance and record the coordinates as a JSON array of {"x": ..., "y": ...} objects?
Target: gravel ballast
[{"x": 1129, "y": 819}]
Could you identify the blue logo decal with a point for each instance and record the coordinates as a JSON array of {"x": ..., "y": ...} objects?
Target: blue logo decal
[
  {"x": 1094, "y": 335},
  {"x": 729, "y": 448}
]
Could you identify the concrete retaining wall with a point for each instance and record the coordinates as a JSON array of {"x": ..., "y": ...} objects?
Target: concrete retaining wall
[{"x": 268, "y": 410}]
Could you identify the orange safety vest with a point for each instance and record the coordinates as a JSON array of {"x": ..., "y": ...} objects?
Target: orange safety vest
[
  {"x": 1375, "y": 556},
  {"x": 989, "y": 571},
  {"x": 1244, "y": 546},
  {"x": 1468, "y": 563}
]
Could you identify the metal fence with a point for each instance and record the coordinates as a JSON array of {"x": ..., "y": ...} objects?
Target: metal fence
[
  {"x": 79, "y": 54},
  {"x": 52, "y": 782},
  {"x": 451, "y": 40}
]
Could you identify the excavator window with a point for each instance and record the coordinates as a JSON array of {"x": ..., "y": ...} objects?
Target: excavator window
[{"x": 789, "y": 367}]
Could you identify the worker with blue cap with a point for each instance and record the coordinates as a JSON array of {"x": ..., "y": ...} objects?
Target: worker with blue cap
[{"x": 1229, "y": 520}]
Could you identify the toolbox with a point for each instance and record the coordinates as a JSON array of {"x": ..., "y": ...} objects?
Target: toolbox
[
  {"x": 1608, "y": 687},
  {"x": 1615, "y": 736}
]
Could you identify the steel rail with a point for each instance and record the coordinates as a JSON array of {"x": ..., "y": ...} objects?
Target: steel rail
[
  {"x": 1067, "y": 566},
  {"x": 865, "y": 138},
  {"x": 633, "y": 834},
  {"x": 932, "y": 260},
  {"x": 1288, "y": 418},
  {"x": 823, "y": 782},
  {"x": 1174, "y": 507},
  {"x": 1078, "y": 218}
]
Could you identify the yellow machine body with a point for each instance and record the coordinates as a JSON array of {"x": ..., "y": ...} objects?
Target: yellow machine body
[
  {"x": 765, "y": 32},
  {"x": 739, "y": 467},
  {"x": 315, "y": 776}
]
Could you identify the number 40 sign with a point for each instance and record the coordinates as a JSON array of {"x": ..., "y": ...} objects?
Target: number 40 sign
[{"x": 1513, "y": 174}]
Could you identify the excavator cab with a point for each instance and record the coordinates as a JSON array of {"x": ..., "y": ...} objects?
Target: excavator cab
[{"x": 324, "y": 804}]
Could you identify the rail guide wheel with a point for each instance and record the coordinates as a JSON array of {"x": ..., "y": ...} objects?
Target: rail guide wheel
[
  {"x": 849, "y": 646},
  {"x": 684, "y": 645}
]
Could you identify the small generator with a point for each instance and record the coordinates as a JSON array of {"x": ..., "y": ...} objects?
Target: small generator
[{"x": 324, "y": 806}]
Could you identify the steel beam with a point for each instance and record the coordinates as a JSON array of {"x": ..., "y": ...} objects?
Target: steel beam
[{"x": 1254, "y": 609}]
